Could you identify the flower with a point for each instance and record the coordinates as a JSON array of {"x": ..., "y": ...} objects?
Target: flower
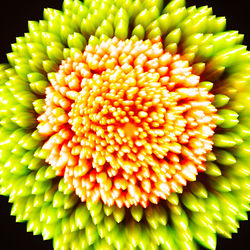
[{"x": 127, "y": 118}]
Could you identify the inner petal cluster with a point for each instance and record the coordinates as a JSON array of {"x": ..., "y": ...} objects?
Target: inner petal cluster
[{"x": 127, "y": 122}]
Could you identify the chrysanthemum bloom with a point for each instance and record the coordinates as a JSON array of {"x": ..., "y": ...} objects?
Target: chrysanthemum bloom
[{"x": 125, "y": 124}]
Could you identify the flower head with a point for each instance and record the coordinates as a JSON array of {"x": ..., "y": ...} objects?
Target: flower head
[{"x": 125, "y": 124}]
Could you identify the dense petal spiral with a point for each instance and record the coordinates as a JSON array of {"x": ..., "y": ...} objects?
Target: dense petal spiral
[
  {"x": 127, "y": 122},
  {"x": 125, "y": 125}
]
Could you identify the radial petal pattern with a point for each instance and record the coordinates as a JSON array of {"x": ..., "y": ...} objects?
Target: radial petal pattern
[
  {"x": 125, "y": 125},
  {"x": 126, "y": 122}
]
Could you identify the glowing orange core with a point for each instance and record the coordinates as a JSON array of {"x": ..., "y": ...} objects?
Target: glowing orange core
[{"x": 127, "y": 122}]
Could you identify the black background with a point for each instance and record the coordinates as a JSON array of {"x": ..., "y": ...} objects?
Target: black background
[{"x": 14, "y": 17}]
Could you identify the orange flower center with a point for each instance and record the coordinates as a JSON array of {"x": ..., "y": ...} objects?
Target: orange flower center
[{"x": 127, "y": 122}]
